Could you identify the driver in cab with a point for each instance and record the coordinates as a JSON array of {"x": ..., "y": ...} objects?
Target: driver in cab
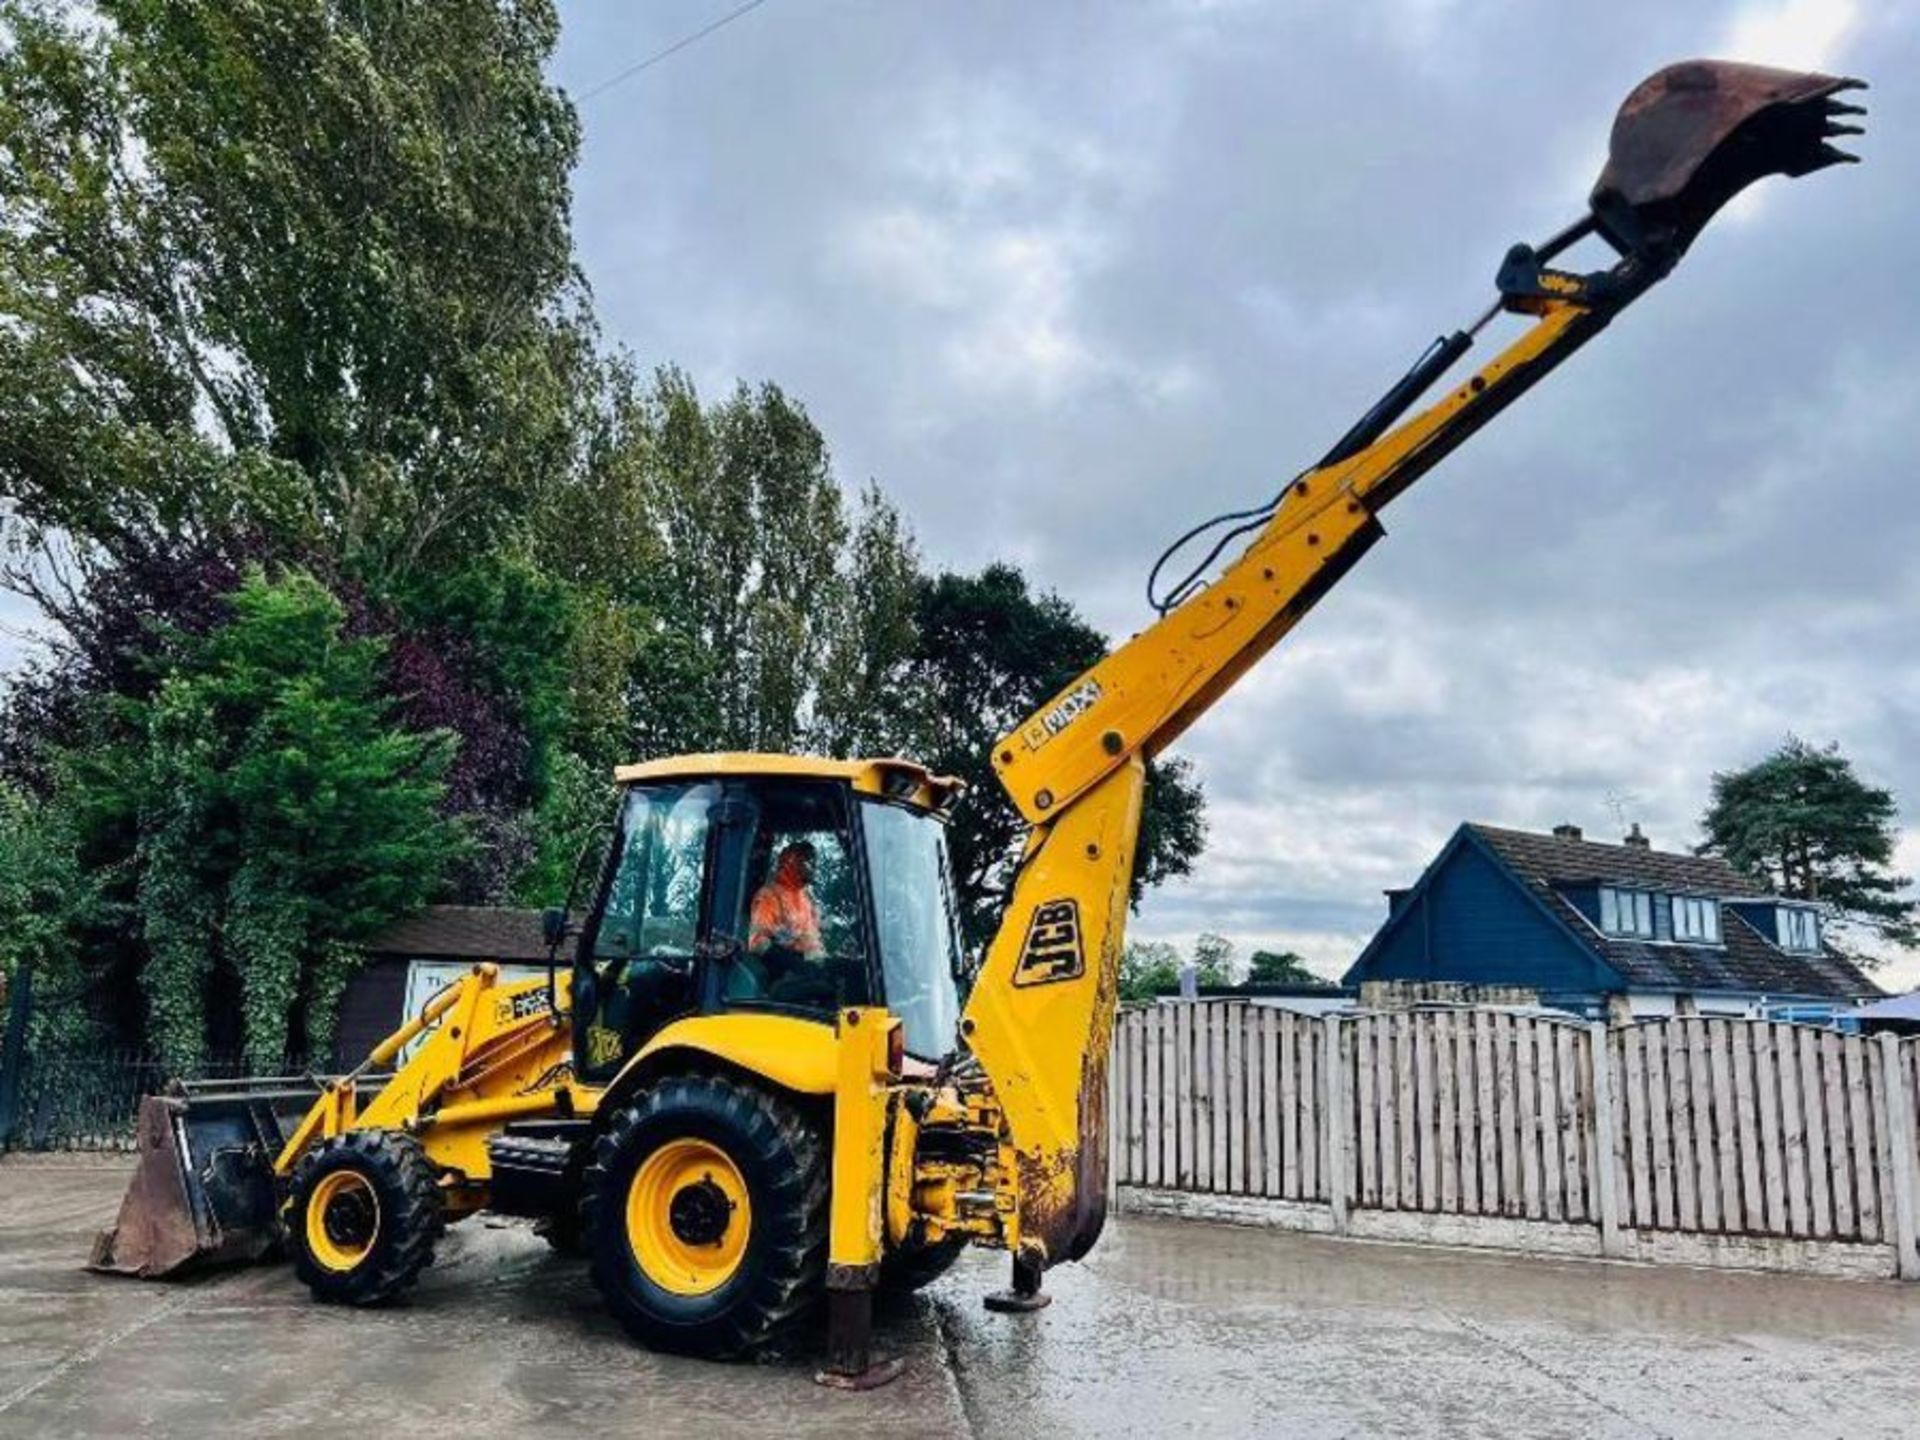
[
  {"x": 783, "y": 913},
  {"x": 783, "y": 936}
]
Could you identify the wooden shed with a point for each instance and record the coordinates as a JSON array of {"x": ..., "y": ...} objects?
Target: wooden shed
[{"x": 414, "y": 957}]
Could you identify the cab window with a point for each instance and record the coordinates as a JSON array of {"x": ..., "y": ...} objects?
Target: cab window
[
  {"x": 645, "y": 941},
  {"x": 799, "y": 931},
  {"x": 653, "y": 904},
  {"x": 915, "y": 920}
]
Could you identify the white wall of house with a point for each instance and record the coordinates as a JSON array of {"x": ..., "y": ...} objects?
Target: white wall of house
[{"x": 1662, "y": 1004}]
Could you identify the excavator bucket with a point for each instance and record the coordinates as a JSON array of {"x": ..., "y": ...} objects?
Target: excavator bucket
[
  {"x": 1692, "y": 136},
  {"x": 203, "y": 1187}
]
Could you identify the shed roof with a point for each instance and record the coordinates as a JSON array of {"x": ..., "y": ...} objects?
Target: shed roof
[
  {"x": 468, "y": 932},
  {"x": 1896, "y": 1007}
]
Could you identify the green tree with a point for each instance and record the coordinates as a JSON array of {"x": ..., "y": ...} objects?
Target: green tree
[
  {"x": 289, "y": 283},
  {"x": 47, "y": 897},
  {"x": 1804, "y": 823},
  {"x": 1149, "y": 968},
  {"x": 754, "y": 527},
  {"x": 300, "y": 267},
  {"x": 281, "y": 815},
  {"x": 577, "y": 810},
  {"x": 730, "y": 600},
  {"x": 864, "y": 703},
  {"x": 1213, "y": 958},
  {"x": 1283, "y": 968},
  {"x": 989, "y": 653}
]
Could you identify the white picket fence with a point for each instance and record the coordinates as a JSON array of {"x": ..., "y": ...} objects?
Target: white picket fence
[{"x": 1752, "y": 1134}]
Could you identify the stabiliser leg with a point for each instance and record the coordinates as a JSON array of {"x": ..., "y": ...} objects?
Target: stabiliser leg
[
  {"x": 861, "y": 1097},
  {"x": 1025, "y": 1294},
  {"x": 850, "y": 1360}
]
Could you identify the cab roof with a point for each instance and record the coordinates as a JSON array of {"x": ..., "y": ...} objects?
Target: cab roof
[{"x": 890, "y": 777}]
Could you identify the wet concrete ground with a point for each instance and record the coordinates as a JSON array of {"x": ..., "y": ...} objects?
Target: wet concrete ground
[{"x": 1172, "y": 1328}]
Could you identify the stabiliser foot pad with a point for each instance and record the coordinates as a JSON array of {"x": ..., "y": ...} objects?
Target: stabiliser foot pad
[
  {"x": 881, "y": 1372},
  {"x": 1015, "y": 1302}
]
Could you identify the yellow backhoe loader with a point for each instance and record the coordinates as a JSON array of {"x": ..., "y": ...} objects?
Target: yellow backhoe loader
[{"x": 751, "y": 1083}]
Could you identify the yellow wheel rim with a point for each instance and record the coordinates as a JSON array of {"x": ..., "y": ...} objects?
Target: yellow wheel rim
[
  {"x": 343, "y": 1220},
  {"x": 688, "y": 1217}
]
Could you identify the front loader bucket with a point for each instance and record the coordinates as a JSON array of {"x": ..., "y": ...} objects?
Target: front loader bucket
[
  {"x": 1692, "y": 136},
  {"x": 203, "y": 1189}
]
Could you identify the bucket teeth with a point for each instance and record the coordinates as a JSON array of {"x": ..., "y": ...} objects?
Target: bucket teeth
[{"x": 1832, "y": 110}]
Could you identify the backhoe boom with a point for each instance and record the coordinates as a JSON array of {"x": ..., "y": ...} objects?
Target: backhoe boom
[{"x": 1041, "y": 1013}]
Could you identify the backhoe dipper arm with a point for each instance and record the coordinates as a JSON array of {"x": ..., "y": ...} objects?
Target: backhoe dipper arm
[
  {"x": 1145, "y": 694},
  {"x": 1041, "y": 1012}
]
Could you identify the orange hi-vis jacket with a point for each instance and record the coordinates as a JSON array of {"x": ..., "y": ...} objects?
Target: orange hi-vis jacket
[{"x": 779, "y": 905}]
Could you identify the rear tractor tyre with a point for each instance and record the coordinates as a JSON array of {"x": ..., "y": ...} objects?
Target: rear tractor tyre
[
  {"x": 364, "y": 1216},
  {"x": 707, "y": 1216}
]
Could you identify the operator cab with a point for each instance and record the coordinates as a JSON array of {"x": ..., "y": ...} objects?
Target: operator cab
[{"x": 773, "y": 884}]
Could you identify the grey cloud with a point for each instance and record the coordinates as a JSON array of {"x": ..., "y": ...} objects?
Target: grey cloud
[{"x": 1065, "y": 277}]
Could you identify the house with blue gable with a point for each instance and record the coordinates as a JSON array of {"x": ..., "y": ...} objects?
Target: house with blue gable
[{"x": 1617, "y": 932}]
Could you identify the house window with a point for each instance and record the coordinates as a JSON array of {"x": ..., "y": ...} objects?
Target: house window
[
  {"x": 1798, "y": 929},
  {"x": 1627, "y": 913},
  {"x": 1696, "y": 920}
]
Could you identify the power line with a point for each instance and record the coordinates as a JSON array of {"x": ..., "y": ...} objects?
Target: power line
[{"x": 675, "y": 48}]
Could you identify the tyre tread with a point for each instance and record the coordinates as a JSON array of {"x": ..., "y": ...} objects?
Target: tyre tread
[
  {"x": 395, "y": 1162},
  {"x": 783, "y": 1143}
]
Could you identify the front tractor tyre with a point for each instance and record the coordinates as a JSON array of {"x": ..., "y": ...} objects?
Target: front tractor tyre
[
  {"x": 364, "y": 1216},
  {"x": 707, "y": 1216}
]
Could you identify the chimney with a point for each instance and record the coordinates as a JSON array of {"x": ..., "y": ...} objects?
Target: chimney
[
  {"x": 1564, "y": 831},
  {"x": 1636, "y": 839}
]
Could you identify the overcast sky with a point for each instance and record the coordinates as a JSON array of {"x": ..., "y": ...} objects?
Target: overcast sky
[{"x": 1064, "y": 277}]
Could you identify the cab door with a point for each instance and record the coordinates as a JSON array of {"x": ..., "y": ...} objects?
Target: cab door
[
  {"x": 642, "y": 949},
  {"x": 783, "y": 941}
]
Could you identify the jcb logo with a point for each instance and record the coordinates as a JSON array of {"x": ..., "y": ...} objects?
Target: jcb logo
[
  {"x": 510, "y": 1009},
  {"x": 1053, "y": 951},
  {"x": 603, "y": 1046},
  {"x": 1075, "y": 703}
]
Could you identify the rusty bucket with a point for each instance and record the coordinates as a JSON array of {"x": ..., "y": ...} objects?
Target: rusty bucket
[
  {"x": 203, "y": 1190},
  {"x": 1692, "y": 136}
]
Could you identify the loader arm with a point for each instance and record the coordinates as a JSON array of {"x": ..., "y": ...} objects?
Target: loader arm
[{"x": 1040, "y": 1016}]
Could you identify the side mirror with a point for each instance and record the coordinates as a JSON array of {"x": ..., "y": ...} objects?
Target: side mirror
[{"x": 553, "y": 926}]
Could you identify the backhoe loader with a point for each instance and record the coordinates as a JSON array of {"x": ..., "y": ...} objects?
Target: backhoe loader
[{"x": 735, "y": 1118}]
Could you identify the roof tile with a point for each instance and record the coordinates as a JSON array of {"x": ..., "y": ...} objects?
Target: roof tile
[{"x": 1747, "y": 961}]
